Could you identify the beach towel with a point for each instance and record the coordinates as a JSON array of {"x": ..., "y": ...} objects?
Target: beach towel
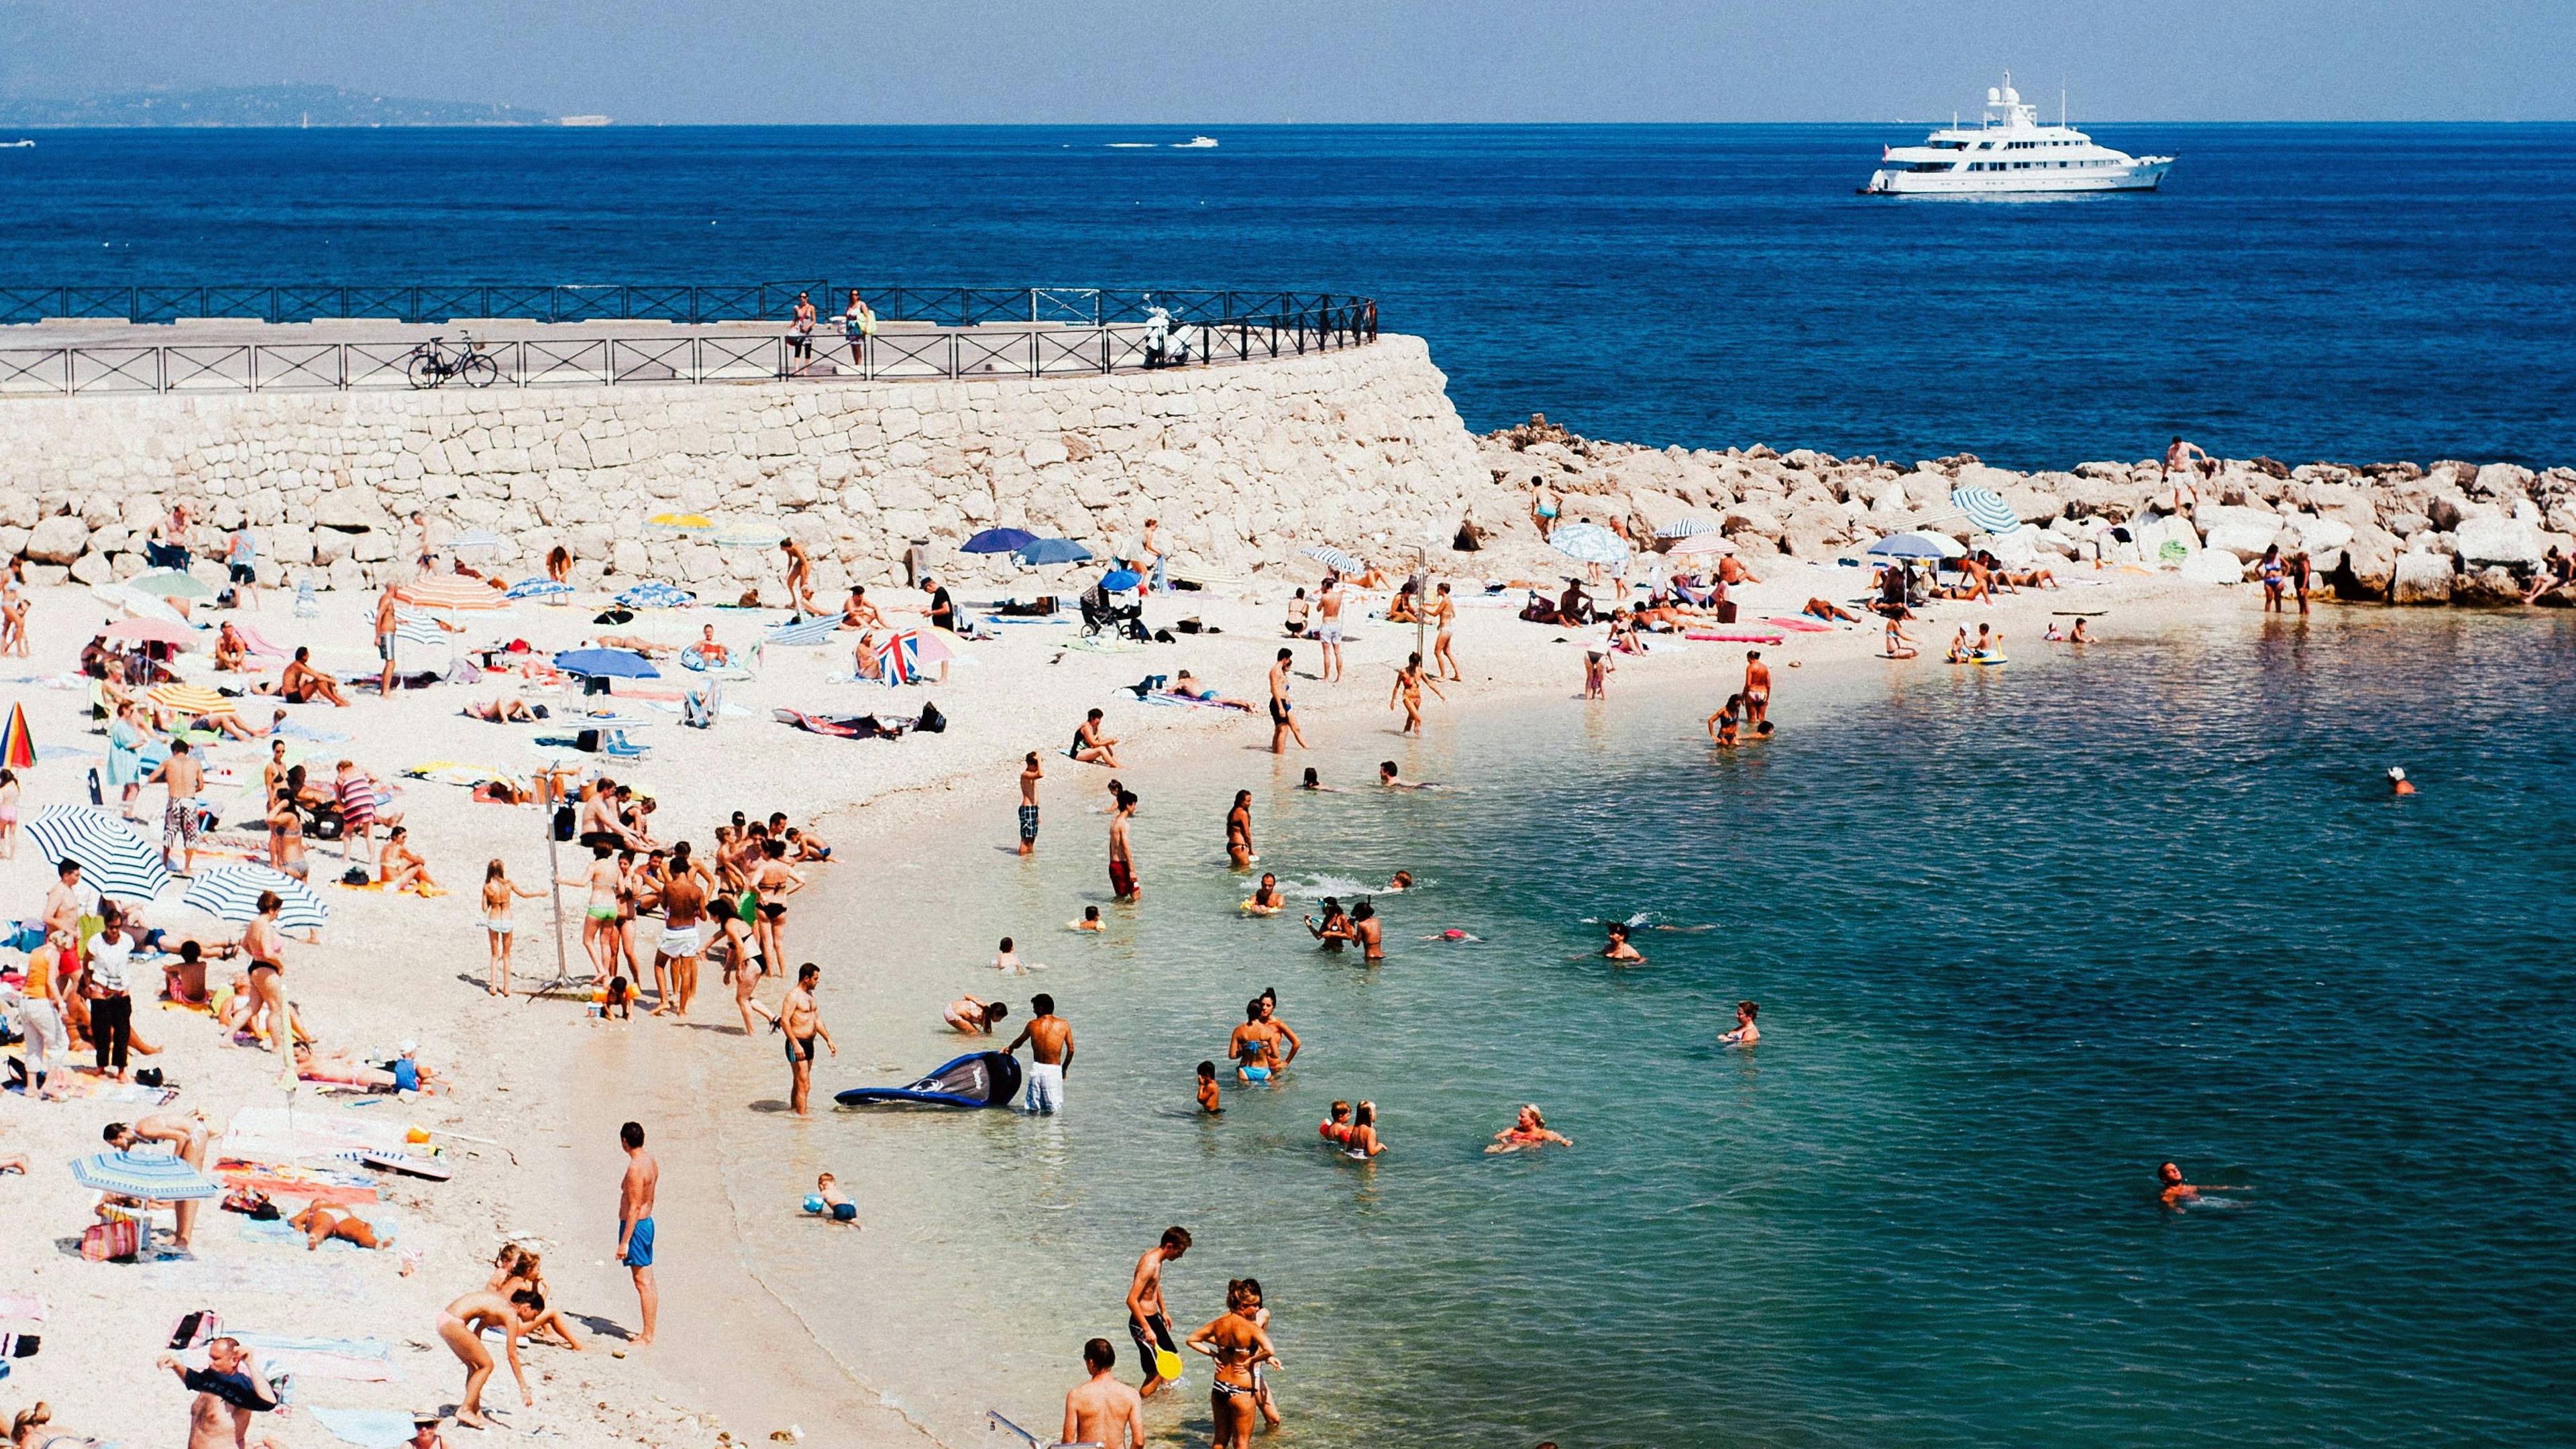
[
  {"x": 1008, "y": 619},
  {"x": 279, "y": 1234},
  {"x": 367, "y": 1428},
  {"x": 450, "y": 772},
  {"x": 305, "y": 1363},
  {"x": 200, "y": 1278},
  {"x": 1107, "y": 644},
  {"x": 22, "y": 1307},
  {"x": 1802, "y": 625},
  {"x": 295, "y": 729},
  {"x": 258, "y": 643},
  {"x": 1735, "y": 638},
  {"x": 1165, "y": 696},
  {"x": 81, "y": 1087}
]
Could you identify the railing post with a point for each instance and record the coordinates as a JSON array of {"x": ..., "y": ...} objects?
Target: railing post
[{"x": 160, "y": 370}]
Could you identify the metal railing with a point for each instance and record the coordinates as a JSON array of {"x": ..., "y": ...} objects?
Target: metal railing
[
  {"x": 985, "y": 352},
  {"x": 642, "y": 302}
]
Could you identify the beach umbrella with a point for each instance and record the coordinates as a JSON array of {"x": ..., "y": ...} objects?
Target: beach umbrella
[
  {"x": 150, "y": 631},
  {"x": 170, "y": 584},
  {"x": 475, "y": 538},
  {"x": 157, "y": 1176},
  {"x": 1906, "y": 545},
  {"x": 1119, "y": 581},
  {"x": 805, "y": 631},
  {"x": 680, "y": 523},
  {"x": 1686, "y": 526},
  {"x": 1986, "y": 509},
  {"x": 1589, "y": 543},
  {"x": 189, "y": 699},
  {"x": 607, "y": 664},
  {"x": 114, "y": 857},
  {"x": 749, "y": 535},
  {"x": 17, "y": 747},
  {"x": 656, "y": 595},
  {"x": 538, "y": 589},
  {"x": 1052, "y": 551},
  {"x": 454, "y": 593},
  {"x": 231, "y": 893},
  {"x": 134, "y": 604},
  {"x": 1701, "y": 543},
  {"x": 1336, "y": 560},
  {"x": 998, "y": 540},
  {"x": 903, "y": 656}
]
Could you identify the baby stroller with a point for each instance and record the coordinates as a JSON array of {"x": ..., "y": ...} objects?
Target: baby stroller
[{"x": 1100, "y": 612}]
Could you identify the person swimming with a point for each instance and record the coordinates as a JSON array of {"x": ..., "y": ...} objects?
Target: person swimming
[
  {"x": 1090, "y": 920},
  {"x": 2176, "y": 1193},
  {"x": 1315, "y": 782},
  {"x": 2398, "y": 784},
  {"x": 1528, "y": 1129},
  {"x": 1400, "y": 883},
  {"x": 1618, "y": 948},
  {"x": 1266, "y": 898},
  {"x": 1209, "y": 1101},
  {"x": 1745, "y": 1033},
  {"x": 1335, "y": 1129}
]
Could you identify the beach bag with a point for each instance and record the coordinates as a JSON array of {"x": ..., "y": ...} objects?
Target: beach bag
[
  {"x": 563, "y": 822},
  {"x": 122, "y": 1238},
  {"x": 932, "y": 721},
  {"x": 197, "y": 1329},
  {"x": 1726, "y": 611},
  {"x": 355, "y": 875}
]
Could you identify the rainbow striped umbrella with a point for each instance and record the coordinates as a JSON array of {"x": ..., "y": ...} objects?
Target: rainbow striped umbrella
[{"x": 17, "y": 747}]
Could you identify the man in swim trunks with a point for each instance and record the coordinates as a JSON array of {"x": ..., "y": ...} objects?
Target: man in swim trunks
[
  {"x": 800, "y": 1016},
  {"x": 1050, "y": 1042},
  {"x": 635, "y": 1223},
  {"x": 386, "y": 603},
  {"x": 1328, "y": 628},
  {"x": 1122, "y": 861},
  {"x": 184, "y": 777},
  {"x": 684, "y": 902},
  {"x": 1757, "y": 688},
  {"x": 1283, "y": 711},
  {"x": 1030, "y": 774},
  {"x": 1102, "y": 1410},
  {"x": 1148, "y": 1320}
]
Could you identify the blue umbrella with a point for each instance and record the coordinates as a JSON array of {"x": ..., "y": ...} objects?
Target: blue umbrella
[
  {"x": 538, "y": 589},
  {"x": 1589, "y": 542},
  {"x": 1051, "y": 551},
  {"x": 998, "y": 540},
  {"x": 1686, "y": 526},
  {"x": 115, "y": 858},
  {"x": 1986, "y": 509},
  {"x": 1336, "y": 560},
  {"x": 151, "y": 1176},
  {"x": 1905, "y": 545},
  {"x": 1119, "y": 581},
  {"x": 656, "y": 595},
  {"x": 607, "y": 664}
]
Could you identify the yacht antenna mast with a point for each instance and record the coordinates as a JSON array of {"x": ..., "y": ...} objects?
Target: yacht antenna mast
[{"x": 2061, "y": 103}]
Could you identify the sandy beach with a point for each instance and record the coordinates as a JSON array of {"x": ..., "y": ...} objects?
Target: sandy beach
[{"x": 533, "y": 1090}]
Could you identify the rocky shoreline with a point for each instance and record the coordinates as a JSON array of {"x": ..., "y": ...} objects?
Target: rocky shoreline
[{"x": 2446, "y": 532}]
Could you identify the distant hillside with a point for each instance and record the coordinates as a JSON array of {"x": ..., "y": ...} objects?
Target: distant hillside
[{"x": 281, "y": 105}]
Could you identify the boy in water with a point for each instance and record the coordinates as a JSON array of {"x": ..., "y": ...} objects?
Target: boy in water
[{"x": 1209, "y": 1101}]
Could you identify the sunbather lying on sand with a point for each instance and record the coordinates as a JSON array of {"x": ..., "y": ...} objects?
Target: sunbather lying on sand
[
  {"x": 1187, "y": 686},
  {"x": 635, "y": 644},
  {"x": 321, "y": 1224},
  {"x": 313, "y": 1066},
  {"x": 500, "y": 711},
  {"x": 1828, "y": 609}
]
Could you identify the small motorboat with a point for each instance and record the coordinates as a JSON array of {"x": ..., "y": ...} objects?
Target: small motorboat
[{"x": 978, "y": 1079}]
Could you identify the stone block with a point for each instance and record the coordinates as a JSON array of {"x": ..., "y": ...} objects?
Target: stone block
[{"x": 2422, "y": 578}]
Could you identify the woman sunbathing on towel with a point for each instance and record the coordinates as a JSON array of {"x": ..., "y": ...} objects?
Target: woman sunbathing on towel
[
  {"x": 635, "y": 644},
  {"x": 501, "y": 711},
  {"x": 321, "y": 1224},
  {"x": 1828, "y": 609},
  {"x": 313, "y": 1066},
  {"x": 400, "y": 868},
  {"x": 1187, "y": 686}
]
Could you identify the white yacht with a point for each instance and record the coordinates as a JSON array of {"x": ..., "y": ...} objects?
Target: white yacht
[{"x": 2009, "y": 153}]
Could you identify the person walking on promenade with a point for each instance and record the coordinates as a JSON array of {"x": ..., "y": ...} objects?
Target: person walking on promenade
[
  {"x": 800, "y": 329},
  {"x": 858, "y": 324}
]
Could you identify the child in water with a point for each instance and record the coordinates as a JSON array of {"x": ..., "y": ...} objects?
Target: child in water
[
  {"x": 1090, "y": 920},
  {"x": 1336, "y": 1126},
  {"x": 1209, "y": 1101},
  {"x": 1006, "y": 959},
  {"x": 830, "y": 1202},
  {"x": 619, "y": 1000}
]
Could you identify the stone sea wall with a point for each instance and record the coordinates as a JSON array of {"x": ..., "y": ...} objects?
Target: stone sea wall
[
  {"x": 2449, "y": 531},
  {"x": 1242, "y": 464}
]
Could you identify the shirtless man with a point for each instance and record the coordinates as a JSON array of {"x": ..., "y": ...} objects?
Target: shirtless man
[
  {"x": 386, "y": 603},
  {"x": 1283, "y": 711},
  {"x": 1389, "y": 778},
  {"x": 2187, "y": 457},
  {"x": 1030, "y": 774},
  {"x": 1757, "y": 688},
  {"x": 858, "y": 613},
  {"x": 301, "y": 682},
  {"x": 1149, "y": 1322},
  {"x": 800, "y": 1016},
  {"x": 1122, "y": 859},
  {"x": 1102, "y": 1410},
  {"x": 800, "y": 577},
  {"x": 1050, "y": 1042},
  {"x": 460, "y": 1327},
  {"x": 187, "y": 1136},
  {"x": 227, "y": 1395},
  {"x": 1328, "y": 627},
  {"x": 684, "y": 905},
  {"x": 184, "y": 777},
  {"x": 635, "y": 1192}
]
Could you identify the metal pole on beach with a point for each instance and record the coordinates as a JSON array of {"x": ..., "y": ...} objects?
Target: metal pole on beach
[{"x": 554, "y": 862}]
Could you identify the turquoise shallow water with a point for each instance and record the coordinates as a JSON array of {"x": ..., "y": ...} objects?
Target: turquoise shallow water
[{"x": 2018, "y": 935}]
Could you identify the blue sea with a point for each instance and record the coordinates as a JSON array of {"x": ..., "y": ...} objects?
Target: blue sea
[
  {"x": 2351, "y": 292},
  {"x": 2017, "y": 935}
]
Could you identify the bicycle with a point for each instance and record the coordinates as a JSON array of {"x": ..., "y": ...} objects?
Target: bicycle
[{"x": 430, "y": 365}]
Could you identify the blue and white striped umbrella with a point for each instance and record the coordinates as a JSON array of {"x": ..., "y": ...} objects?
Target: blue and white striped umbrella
[
  {"x": 475, "y": 538},
  {"x": 1686, "y": 526},
  {"x": 231, "y": 893},
  {"x": 656, "y": 595},
  {"x": 414, "y": 626},
  {"x": 115, "y": 858},
  {"x": 1986, "y": 509},
  {"x": 155, "y": 1176},
  {"x": 817, "y": 630},
  {"x": 538, "y": 589},
  {"x": 749, "y": 534},
  {"x": 1588, "y": 542},
  {"x": 1336, "y": 560}
]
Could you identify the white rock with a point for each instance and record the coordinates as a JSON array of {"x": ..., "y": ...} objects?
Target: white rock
[
  {"x": 2422, "y": 578},
  {"x": 2213, "y": 566},
  {"x": 2508, "y": 541},
  {"x": 57, "y": 540}
]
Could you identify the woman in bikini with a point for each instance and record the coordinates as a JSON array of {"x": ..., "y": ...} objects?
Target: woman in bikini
[
  {"x": 1529, "y": 1129},
  {"x": 401, "y": 868},
  {"x": 972, "y": 1016},
  {"x": 1363, "y": 1143},
  {"x": 498, "y": 892},
  {"x": 1409, "y": 682},
  {"x": 599, "y": 912},
  {"x": 1238, "y": 1345},
  {"x": 1238, "y": 832},
  {"x": 286, "y": 832},
  {"x": 266, "y": 950},
  {"x": 460, "y": 1327}
]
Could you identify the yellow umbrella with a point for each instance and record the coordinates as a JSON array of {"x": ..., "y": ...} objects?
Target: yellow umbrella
[
  {"x": 189, "y": 699},
  {"x": 679, "y": 523}
]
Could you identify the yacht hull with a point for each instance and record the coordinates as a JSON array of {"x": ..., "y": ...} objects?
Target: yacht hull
[{"x": 2141, "y": 176}]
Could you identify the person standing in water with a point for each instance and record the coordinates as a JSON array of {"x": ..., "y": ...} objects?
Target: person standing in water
[
  {"x": 1409, "y": 684},
  {"x": 800, "y": 1016},
  {"x": 1149, "y": 1321},
  {"x": 1240, "y": 1347},
  {"x": 635, "y": 1192},
  {"x": 1102, "y": 1410},
  {"x": 1049, "y": 1038},
  {"x": 1369, "y": 932},
  {"x": 1283, "y": 711},
  {"x": 1122, "y": 859},
  {"x": 1238, "y": 832},
  {"x": 1757, "y": 689},
  {"x": 1745, "y": 1033},
  {"x": 1030, "y": 774}
]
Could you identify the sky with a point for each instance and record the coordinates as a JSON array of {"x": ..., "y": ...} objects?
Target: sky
[{"x": 1331, "y": 61}]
